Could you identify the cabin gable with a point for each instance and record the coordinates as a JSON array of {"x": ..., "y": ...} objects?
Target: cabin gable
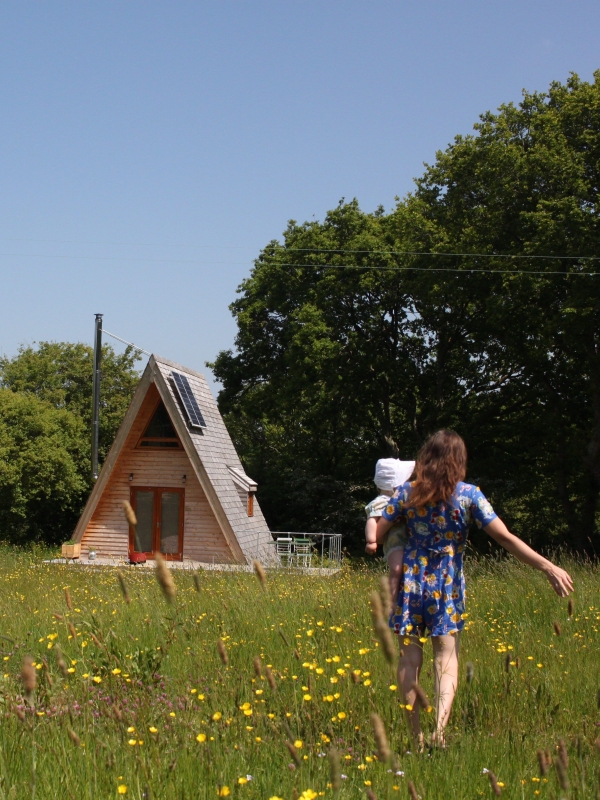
[{"x": 184, "y": 477}]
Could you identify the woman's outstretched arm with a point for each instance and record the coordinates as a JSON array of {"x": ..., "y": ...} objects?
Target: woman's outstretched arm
[{"x": 560, "y": 580}]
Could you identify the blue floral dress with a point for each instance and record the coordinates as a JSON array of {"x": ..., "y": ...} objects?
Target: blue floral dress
[{"x": 432, "y": 599}]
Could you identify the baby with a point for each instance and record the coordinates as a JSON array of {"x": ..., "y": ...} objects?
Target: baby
[{"x": 389, "y": 473}]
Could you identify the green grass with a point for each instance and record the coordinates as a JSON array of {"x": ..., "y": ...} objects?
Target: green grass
[{"x": 159, "y": 667}]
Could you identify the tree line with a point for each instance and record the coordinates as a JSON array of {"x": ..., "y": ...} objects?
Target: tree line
[
  {"x": 354, "y": 342},
  {"x": 471, "y": 305},
  {"x": 45, "y": 434}
]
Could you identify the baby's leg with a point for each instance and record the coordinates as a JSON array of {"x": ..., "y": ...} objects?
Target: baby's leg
[{"x": 395, "y": 563}]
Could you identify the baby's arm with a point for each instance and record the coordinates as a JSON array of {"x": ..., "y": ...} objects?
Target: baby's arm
[{"x": 371, "y": 535}]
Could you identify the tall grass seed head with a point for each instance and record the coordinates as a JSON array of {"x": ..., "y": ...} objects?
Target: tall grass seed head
[
  {"x": 129, "y": 513},
  {"x": 384, "y": 752},
  {"x": 335, "y": 769},
  {"x": 222, "y": 652},
  {"x": 123, "y": 586},
  {"x": 260, "y": 573},
  {"x": 164, "y": 578},
  {"x": 29, "y": 679},
  {"x": 494, "y": 784}
]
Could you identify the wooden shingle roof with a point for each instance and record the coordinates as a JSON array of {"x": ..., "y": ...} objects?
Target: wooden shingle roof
[{"x": 219, "y": 458}]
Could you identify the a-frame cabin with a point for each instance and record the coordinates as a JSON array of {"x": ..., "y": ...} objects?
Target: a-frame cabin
[{"x": 174, "y": 461}]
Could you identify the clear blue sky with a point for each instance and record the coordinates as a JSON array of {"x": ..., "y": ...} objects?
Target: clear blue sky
[{"x": 139, "y": 136}]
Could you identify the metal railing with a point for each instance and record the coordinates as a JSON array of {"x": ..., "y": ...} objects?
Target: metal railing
[{"x": 325, "y": 549}]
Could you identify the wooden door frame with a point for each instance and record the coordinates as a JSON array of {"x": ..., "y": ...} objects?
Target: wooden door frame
[{"x": 156, "y": 509}]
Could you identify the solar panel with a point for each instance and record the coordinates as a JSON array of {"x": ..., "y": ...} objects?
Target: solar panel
[{"x": 188, "y": 401}]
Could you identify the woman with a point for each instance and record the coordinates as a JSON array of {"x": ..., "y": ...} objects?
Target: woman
[{"x": 438, "y": 509}]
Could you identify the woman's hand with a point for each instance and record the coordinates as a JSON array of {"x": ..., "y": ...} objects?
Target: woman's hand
[{"x": 560, "y": 580}]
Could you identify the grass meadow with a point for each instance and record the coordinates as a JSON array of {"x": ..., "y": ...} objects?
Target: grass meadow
[{"x": 139, "y": 699}]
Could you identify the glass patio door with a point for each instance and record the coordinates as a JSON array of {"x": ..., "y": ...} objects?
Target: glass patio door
[{"x": 159, "y": 528}]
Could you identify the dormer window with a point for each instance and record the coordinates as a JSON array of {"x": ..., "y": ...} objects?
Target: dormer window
[
  {"x": 160, "y": 431},
  {"x": 246, "y": 488}
]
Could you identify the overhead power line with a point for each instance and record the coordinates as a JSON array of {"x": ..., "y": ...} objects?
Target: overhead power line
[
  {"x": 280, "y": 247},
  {"x": 444, "y": 269},
  {"x": 131, "y": 344},
  {"x": 384, "y": 268}
]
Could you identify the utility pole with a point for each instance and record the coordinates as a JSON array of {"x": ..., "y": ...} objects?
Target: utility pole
[{"x": 96, "y": 395}]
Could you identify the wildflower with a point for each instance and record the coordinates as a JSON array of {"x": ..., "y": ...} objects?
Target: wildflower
[
  {"x": 223, "y": 791},
  {"x": 216, "y": 716},
  {"x": 130, "y": 729},
  {"x": 152, "y": 729},
  {"x": 341, "y": 715},
  {"x": 307, "y": 697},
  {"x": 121, "y": 789},
  {"x": 308, "y": 794},
  {"x": 393, "y": 687},
  {"x": 97, "y": 679},
  {"x": 201, "y": 737},
  {"x": 298, "y": 744},
  {"x": 132, "y": 742},
  {"x": 116, "y": 671}
]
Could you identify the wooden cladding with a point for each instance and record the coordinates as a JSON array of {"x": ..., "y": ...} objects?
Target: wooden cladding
[{"x": 250, "y": 504}]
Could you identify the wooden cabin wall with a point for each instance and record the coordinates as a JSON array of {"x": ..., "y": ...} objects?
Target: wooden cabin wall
[{"x": 107, "y": 532}]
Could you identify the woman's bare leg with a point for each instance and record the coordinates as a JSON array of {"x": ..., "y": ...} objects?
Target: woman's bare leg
[
  {"x": 409, "y": 667},
  {"x": 445, "y": 655}
]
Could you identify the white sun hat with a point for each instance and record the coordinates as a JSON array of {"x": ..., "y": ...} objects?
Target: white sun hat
[{"x": 391, "y": 472}]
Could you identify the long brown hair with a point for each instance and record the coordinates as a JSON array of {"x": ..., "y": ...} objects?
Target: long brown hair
[{"x": 441, "y": 464}]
